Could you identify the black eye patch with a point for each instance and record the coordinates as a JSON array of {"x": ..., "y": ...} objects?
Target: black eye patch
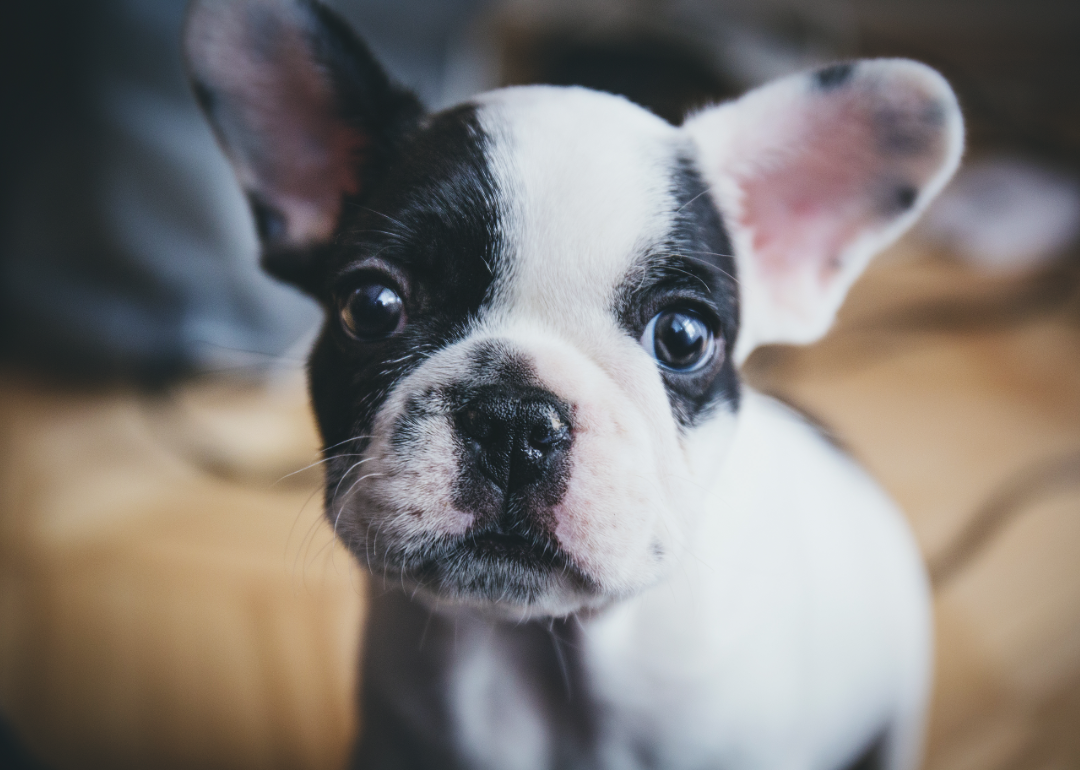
[
  {"x": 689, "y": 275},
  {"x": 413, "y": 263}
]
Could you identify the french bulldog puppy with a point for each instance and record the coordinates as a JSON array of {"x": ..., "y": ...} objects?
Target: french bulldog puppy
[{"x": 590, "y": 545}]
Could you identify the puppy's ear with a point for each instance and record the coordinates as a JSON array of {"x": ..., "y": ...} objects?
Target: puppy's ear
[
  {"x": 817, "y": 172},
  {"x": 304, "y": 113}
]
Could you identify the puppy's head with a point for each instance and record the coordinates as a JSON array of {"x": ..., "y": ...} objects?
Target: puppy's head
[{"x": 536, "y": 301}]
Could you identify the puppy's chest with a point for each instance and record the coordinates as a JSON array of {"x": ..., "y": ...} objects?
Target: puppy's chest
[
  {"x": 653, "y": 688},
  {"x": 701, "y": 678},
  {"x": 733, "y": 662}
]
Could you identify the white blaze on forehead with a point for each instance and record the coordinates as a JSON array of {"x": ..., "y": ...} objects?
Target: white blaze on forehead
[{"x": 584, "y": 180}]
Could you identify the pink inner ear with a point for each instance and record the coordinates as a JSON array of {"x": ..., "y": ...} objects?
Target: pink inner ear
[
  {"x": 277, "y": 110},
  {"x": 308, "y": 157},
  {"x": 816, "y": 172},
  {"x": 805, "y": 204},
  {"x": 307, "y": 149}
]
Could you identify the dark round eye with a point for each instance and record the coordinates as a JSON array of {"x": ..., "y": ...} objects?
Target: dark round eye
[
  {"x": 373, "y": 311},
  {"x": 679, "y": 339}
]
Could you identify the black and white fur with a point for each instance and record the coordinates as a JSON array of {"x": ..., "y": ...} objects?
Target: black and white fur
[{"x": 582, "y": 558}]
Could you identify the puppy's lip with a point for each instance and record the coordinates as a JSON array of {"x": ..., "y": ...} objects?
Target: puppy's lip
[
  {"x": 493, "y": 556},
  {"x": 510, "y": 546},
  {"x": 495, "y": 567}
]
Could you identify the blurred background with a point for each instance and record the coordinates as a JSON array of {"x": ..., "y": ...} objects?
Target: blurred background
[{"x": 169, "y": 596}]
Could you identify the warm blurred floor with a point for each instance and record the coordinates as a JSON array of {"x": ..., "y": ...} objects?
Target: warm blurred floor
[
  {"x": 164, "y": 603},
  {"x": 154, "y": 613}
]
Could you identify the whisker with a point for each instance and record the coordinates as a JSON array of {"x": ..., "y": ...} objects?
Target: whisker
[
  {"x": 366, "y": 230},
  {"x": 710, "y": 253},
  {"x": 688, "y": 273},
  {"x": 564, "y": 669},
  {"x": 303, "y": 541},
  {"x": 387, "y": 217},
  {"x": 354, "y": 466},
  {"x": 713, "y": 265},
  {"x": 703, "y": 192},
  {"x": 317, "y": 462},
  {"x": 352, "y": 487},
  {"x": 346, "y": 441}
]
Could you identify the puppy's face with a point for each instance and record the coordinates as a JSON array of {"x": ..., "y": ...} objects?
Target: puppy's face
[
  {"x": 531, "y": 324},
  {"x": 527, "y": 380}
]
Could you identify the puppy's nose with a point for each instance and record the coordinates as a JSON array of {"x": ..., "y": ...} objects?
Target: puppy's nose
[{"x": 516, "y": 439}]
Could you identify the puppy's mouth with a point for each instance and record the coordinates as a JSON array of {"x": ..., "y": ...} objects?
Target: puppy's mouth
[
  {"x": 497, "y": 567},
  {"x": 520, "y": 549},
  {"x": 498, "y": 552}
]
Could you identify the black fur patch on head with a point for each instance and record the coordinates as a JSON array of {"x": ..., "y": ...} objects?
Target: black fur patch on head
[
  {"x": 834, "y": 76},
  {"x": 693, "y": 267},
  {"x": 431, "y": 229}
]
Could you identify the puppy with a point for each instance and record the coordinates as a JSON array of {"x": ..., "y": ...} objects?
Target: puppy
[{"x": 591, "y": 546}]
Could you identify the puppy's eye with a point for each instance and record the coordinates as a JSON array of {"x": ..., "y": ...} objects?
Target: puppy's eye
[
  {"x": 679, "y": 339},
  {"x": 373, "y": 311}
]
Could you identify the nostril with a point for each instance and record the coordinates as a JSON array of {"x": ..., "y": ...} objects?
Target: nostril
[
  {"x": 475, "y": 425},
  {"x": 548, "y": 432}
]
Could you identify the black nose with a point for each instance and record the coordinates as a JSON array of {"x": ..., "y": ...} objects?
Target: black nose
[{"x": 515, "y": 438}]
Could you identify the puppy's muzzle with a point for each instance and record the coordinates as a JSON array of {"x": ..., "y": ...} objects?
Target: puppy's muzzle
[{"x": 517, "y": 439}]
